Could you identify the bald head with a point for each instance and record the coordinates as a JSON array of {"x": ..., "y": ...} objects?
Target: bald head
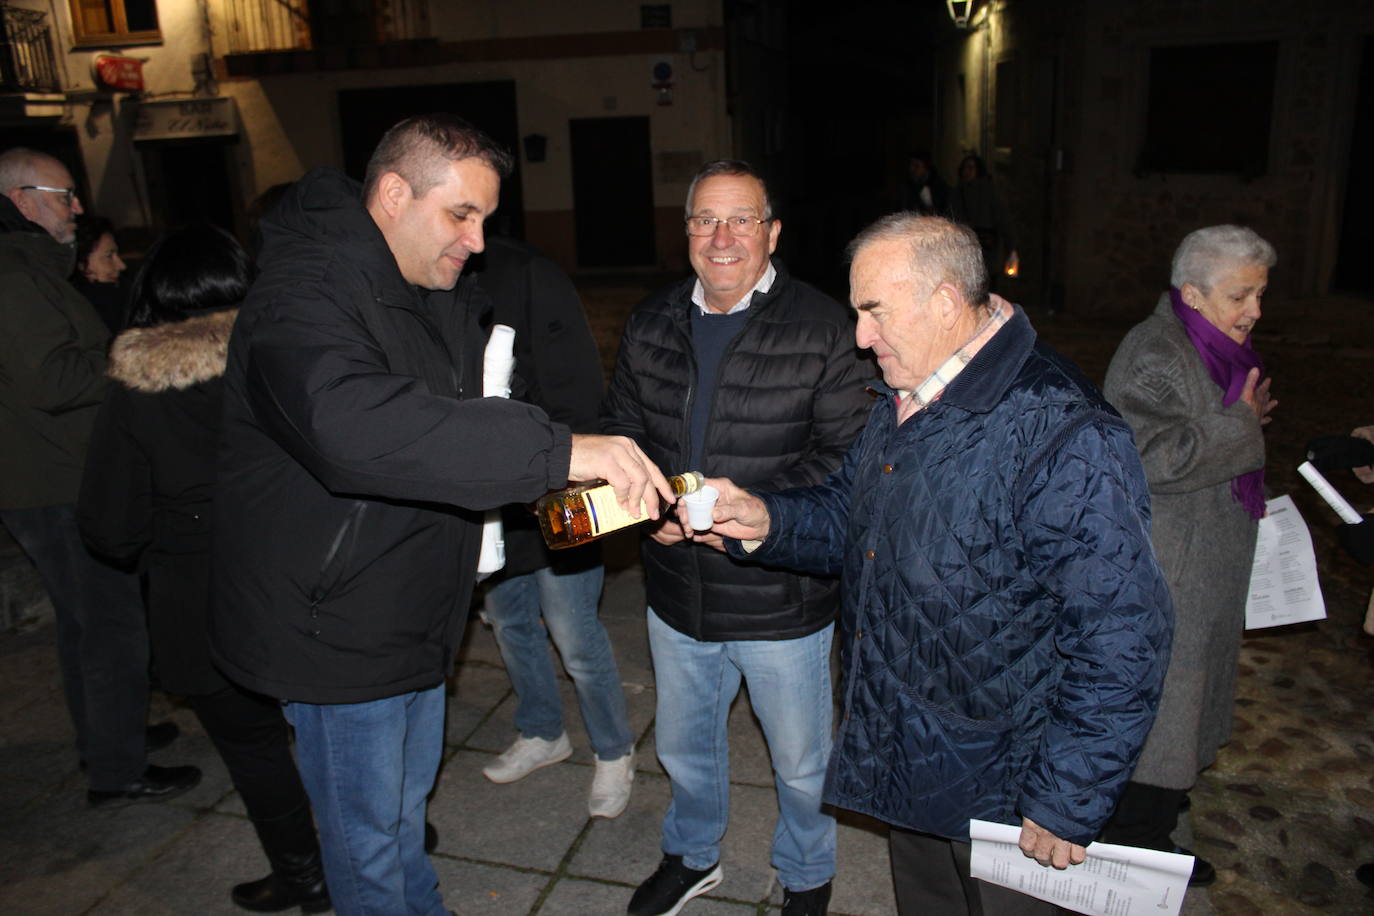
[{"x": 41, "y": 188}]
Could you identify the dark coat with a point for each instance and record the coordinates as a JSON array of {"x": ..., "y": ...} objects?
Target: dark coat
[
  {"x": 1005, "y": 627},
  {"x": 52, "y": 367},
  {"x": 150, "y": 474},
  {"x": 557, "y": 367},
  {"x": 1191, "y": 447},
  {"x": 355, "y": 462},
  {"x": 790, "y": 397}
]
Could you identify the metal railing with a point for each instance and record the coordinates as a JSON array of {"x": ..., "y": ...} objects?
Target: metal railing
[
  {"x": 287, "y": 25},
  {"x": 26, "y": 57}
]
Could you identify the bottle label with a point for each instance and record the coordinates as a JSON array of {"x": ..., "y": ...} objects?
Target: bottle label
[{"x": 606, "y": 514}]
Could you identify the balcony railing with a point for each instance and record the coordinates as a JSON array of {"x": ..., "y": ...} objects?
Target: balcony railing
[
  {"x": 297, "y": 25},
  {"x": 27, "y": 63}
]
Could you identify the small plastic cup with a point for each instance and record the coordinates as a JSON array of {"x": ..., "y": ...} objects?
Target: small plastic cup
[{"x": 699, "y": 506}]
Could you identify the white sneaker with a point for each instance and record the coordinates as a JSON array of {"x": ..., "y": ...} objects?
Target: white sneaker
[
  {"x": 527, "y": 755},
  {"x": 611, "y": 786}
]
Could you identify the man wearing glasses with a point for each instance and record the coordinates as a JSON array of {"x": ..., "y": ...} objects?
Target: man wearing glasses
[
  {"x": 52, "y": 380},
  {"x": 746, "y": 368}
]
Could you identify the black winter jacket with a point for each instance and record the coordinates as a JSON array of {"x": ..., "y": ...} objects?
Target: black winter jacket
[
  {"x": 789, "y": 399},
  {"x": 355, "y": 459},
  {"x": 557, "y": 367},
  {"x": 150, "y": 473},
  {"x": 52, "y": 367}
]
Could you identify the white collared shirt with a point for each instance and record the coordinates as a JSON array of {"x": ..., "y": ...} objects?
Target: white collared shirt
[{"x": 764, "y": 285}]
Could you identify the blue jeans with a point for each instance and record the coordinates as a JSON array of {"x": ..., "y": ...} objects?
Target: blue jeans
[
  {"x": 367, "y": 768},
  {"x": 789, "y": 689},
  {"x": 568, "y": 602},
  {"x": 102, "y": 643}
]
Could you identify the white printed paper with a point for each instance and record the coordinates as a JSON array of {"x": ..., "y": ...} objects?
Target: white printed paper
[
  {"x": 1283, "y": 582},
  {"x": 1111, "y": 881}
]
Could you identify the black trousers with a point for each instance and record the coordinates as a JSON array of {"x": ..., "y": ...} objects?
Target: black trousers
[
  {"x": 1146, "y": 816},
  {"x": 102, "y": 643},
  {"x": 931, "y": 877},
  {"x": 251, "y": 736}
]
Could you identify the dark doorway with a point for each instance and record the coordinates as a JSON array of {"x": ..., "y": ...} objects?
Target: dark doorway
[
  {"x": 613, "y": 192},
  {"x": 190, "y": 181},
  {"x": 366, "y": 114},
  {"x": 1352, "y": 272}
]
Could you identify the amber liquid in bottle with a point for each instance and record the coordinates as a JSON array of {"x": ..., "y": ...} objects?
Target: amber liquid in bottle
[{"x": 587, "y": 511}]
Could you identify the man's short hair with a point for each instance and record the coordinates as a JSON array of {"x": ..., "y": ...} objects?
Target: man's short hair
[
  {"x": 941, "y": 252},
  {"x": 728, "y": 167},
  {"x": 417, "y": 148},
  {"x": 17, "y": 165}
]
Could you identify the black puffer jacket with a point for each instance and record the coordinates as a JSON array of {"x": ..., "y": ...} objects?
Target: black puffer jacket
[
  {"x": 343, "y": 565},
  {"x": 789, "y": 399}
]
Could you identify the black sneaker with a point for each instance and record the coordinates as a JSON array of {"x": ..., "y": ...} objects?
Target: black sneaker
[
  {"x": 1204, "y": 875},
  {"x": 156, "y": 784},
  {"x": 671, "y": 886},
  {"x": 815, "y": 902}
]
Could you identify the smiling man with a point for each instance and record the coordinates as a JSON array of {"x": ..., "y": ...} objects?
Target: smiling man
[
  {"x": 740, "y": 370},
  {"x": 356, "y": 452}
]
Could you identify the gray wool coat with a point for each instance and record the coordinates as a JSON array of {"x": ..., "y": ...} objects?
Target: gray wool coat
[{"x": 1191, "y": 447}]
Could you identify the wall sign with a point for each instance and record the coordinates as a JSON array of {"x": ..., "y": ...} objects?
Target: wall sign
[
  {"x": 121, "y": 73},
  {"x": 186, "y": 118}
]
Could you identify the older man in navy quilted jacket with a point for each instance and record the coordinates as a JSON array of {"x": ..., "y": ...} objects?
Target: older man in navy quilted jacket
[{"x": 1005, "y": 627}]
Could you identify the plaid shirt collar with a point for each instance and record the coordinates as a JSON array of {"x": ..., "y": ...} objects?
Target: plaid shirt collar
[{"x": 929, "y": 391}]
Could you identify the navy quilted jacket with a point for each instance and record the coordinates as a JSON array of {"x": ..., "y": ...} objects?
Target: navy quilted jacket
[{"x": 1005, "y": 625}]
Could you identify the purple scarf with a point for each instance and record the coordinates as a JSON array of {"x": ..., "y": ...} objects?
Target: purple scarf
[{"x": 1227, "y": 363}]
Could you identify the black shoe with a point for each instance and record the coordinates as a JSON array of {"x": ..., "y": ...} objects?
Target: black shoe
[
  {"x": 431, "y": 838},
  {"x": 155, "y": 785},
  {"x": 1204, "y": 875},
  {"x": 303, "y": 887},
  {"x": 160, "y": 735},
  {"x": 815, "y": 902},
  {"x": 297, "y": 877},
  {"x": 671, "y": 886},
  {"x": 155, "y": 738},
  {"x": 1365, "y": 874}
]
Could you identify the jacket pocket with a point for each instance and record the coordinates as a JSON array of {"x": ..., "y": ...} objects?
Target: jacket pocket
[
  {"x": 962, "y": 765},
  {"x": 339, "y": 553}
]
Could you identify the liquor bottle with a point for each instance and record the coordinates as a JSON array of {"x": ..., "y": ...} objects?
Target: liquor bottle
[{"x": 587, "y": 511}]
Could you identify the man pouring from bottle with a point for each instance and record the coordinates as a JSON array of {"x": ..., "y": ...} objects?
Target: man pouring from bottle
[
  {"x": 746, "y": 372},
  {"x": 356, "y": 455}
]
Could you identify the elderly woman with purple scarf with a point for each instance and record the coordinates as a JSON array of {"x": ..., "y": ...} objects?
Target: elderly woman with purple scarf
[{"x": 1194, "y": 391}]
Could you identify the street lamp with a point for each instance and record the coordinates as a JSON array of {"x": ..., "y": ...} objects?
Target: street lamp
[{"x": 960, "y": 11}]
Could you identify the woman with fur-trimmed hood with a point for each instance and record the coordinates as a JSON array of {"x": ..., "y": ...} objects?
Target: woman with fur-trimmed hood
[{"x": 146, "y": 502}]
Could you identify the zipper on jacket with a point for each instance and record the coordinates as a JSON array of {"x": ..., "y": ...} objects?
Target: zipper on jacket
[
  {"x": 347, "y": 526},
  {"x": 685, "y": 455}
]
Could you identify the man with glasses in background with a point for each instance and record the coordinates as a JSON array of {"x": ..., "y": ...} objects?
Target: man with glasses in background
[
  {"x": 740, "y": 367},
  {"x": 52, "y": 380}
]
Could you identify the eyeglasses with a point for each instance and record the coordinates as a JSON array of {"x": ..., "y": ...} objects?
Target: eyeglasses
[
  {"x": 67, "y": 193},
  {"x": 739, "y": 226}
]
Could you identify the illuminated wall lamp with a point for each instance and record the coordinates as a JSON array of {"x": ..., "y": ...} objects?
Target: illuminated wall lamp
[{"x": 960, "y": 11}]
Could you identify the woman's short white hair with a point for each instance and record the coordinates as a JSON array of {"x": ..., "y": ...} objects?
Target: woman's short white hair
[{"x": 1205, "y": 254}]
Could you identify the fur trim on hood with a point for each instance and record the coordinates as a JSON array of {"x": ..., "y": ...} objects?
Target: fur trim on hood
[{"x": 173, "y": 356}]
